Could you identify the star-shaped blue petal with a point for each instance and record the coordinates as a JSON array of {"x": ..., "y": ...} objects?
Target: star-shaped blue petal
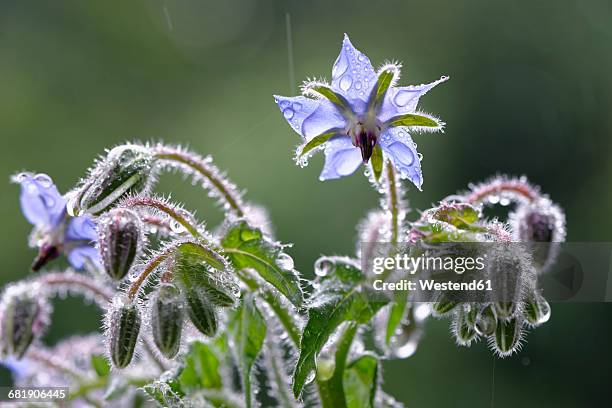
[{"x": 360, "y": 111}]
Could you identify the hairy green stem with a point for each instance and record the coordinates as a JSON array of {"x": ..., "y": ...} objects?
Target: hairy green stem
[
  {"x": 393, "y": 202},
  {"x": 139, "y": 201},
  {"x": 166, "y": 153}
]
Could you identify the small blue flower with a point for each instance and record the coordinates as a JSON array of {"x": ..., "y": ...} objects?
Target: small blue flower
[
  {"x": 54, "y": 231},
  {"x": 361, "y": 117}
]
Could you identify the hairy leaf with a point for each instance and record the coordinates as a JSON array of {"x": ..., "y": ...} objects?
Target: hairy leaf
[
  {"x": 192, "y": 267},
  {"x": 377, "y": 162},
  {"x": 360, "y": 382},
  {"x": 414, "y": 120},
  {"x": 332, "y": 96},
  {"x": 201, "y": 369},
  {"x": 340, "y": 297},
  {"x": 318, "y": 141},
  {"x": 385, "y": 79},
  {"x": 246, "y": 247},
  {"x": 100, "y": 365},
  {"x": 248, "y": 330}
]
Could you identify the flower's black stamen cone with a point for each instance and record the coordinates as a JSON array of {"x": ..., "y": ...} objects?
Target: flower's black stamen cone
[
  {"x": 366, "y": 143},
  {"x": 45, "y": 254}
]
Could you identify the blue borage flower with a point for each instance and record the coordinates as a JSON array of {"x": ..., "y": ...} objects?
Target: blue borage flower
[
  {"x": 361, "y": 117},
  {"x": 54, "y": 231}
]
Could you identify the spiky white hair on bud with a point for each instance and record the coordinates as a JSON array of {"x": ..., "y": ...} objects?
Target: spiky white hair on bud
[
  {"x": 203, "y": 172},
  {"x": 503, "y": 190},
  {"x": 538, "y": 221}
]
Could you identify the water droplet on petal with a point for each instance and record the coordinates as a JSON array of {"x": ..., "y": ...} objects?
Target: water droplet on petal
[
  {"x": 340, "y": 66},
  {"x": 297, "y": 106},
  {"x": 361, "y": 57},
  {"x": 402, "y": 98},
  {"x": 504, "y": 201},
  {"x": 288, "y": 113},
  {"x": 402, "y": 153},
  {"x": 44, "y": 180},
  {"x": 346, "y": 82},
  {"x": 284, "y": 104},
  {"x": 357, "y": 85}
]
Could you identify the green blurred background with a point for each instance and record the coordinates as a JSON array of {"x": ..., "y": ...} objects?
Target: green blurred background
[{"x": 530, "y": 93}]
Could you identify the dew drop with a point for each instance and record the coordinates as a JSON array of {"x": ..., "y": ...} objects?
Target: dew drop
[
  {"x": 402, "y": 153},
  {"x": 310, "y": 377},
  {"x": 360, "y": 57},
  {"x": 340, "y": 66},
  {"x": 357, "y": 85},
  {"x": 297, "y": 106},
  {"x": 504, "y": 201},
  {"x": 322, "y": 267},
  {"x": 346, "y": 82},
  {"x": 288, "y": 113},
  {"x": 284, "y": 104},
  {"x": 44, "y": 180},
  {"x": 402, "y": 98},
  {"x": 285, "y": 262},
  {"x": 406, "y": 350},
  {"x": 493, "y": 199}
]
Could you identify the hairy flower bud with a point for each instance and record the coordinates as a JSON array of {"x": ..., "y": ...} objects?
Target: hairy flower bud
[
  {"x": 125, "y": 170},
  {"x": 167, "y": 312},
  {"x": 201, "y": 311},
  {"x": 464, "y": 325},
  {"x": 123, "y": 321},
  {"x": 542, "y": 224},
  {"x": 486, "y": 322},
  {"x": 119, "y": 233},
  {"x": 24, "y": 315},
  {"x": 537, "y": 310},
  {"x": 507, "y": 337}
]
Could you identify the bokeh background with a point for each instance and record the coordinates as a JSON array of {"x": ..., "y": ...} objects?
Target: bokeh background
[{"x": 530, "y": 93}]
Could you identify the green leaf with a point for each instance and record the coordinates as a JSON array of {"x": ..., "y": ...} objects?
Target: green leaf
[
  {"x": 100, "y": 365},
  {"x": 201, "y": 369},
  {"x": 332, "y": 96},
  {"x": 163, "y": 393},
  {"x": 246, "y": 247},
  {"x": 460, "y": 215},
  {"x": 318, "y": 141},
  {"x": 396, "y": 314},
  {"x": 340, "y": 297},
  {"x": 385, "y": 79},
  {"x": 377, "y": 161},
  {"x": 191, "y": 267},
  {"x": 360, "y": 382},
  {"x": 412, "y": 119},
  {"x": 248, "y": 329}
]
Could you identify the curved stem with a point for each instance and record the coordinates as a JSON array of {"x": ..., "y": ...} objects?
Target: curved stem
[
  {"x": 149, "y": 267},
  {"x": 516, "y": 186},
  {"x": 393, "y": 198},
  {"x": 72, "y": 280},
  {"x": 196, "y": 164},
  {"x": 164, "y": 207}
]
